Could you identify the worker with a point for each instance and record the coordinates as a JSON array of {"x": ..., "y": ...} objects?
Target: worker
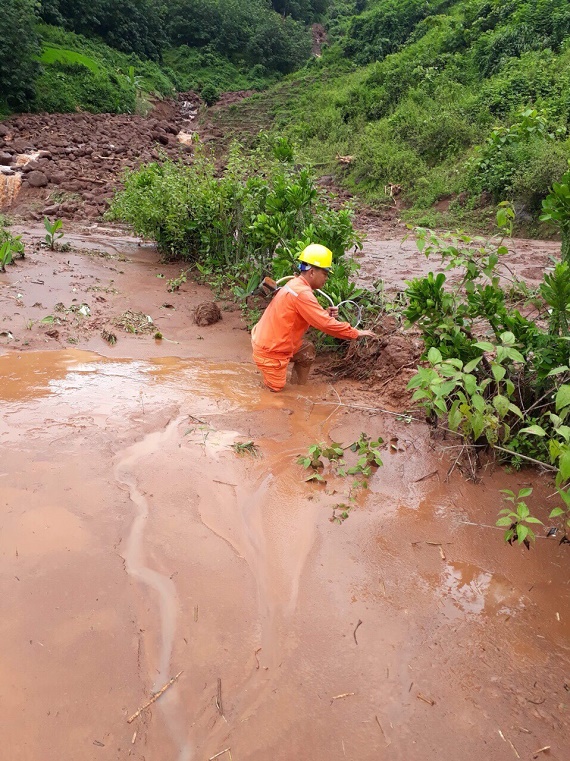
[{"x": 278, "y": 339}]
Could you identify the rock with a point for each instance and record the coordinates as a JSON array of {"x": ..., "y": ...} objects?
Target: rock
[
  {"x": 207, "y": 313},
  {"x": 57, "y": 177},
  {"x": 4, "y": 130},
  {"x": 21, "y": 145},
  {"x": 37, "y": 179},
  {"x": 6, "y": 170},
  {"x": 45, "y": 155},
  {"x": 30, "y": 167},
  {"x": 5, "y": 158},
  {"x": 51, "y": 209}
]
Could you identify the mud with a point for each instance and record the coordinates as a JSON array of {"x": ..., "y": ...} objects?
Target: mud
[{"x": 136, "y": 543}]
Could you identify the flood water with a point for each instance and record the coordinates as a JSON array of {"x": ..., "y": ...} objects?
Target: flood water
[{"x": 136, "y": 543}]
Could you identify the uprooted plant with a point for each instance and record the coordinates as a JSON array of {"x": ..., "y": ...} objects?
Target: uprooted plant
[
  {"x": 497, "y": 377},
  {"x": 328, "y": 460}
]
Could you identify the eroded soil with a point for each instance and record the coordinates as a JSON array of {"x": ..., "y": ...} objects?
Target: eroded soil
[{"x": 135, "y": 544}]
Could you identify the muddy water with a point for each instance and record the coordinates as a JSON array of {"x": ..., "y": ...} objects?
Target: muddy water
[{"x": 135, "y": 543}]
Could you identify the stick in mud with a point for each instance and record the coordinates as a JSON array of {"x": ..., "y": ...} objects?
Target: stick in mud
[
  {"x": 429, "y": 701},
  {"x": 221, "y": 753},
  {"x": 344, "y": 695},
  {"x": 154, "y": 698},
  {"x": 354, "y": 632},
  {"x": 219, "y": 704}
]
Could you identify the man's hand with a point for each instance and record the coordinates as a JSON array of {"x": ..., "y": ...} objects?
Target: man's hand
[
  {"x": 367, "y": 334},
  {"x": 333, "y": 311}
]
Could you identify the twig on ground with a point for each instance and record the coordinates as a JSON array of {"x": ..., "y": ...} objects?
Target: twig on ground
[
  {"x": 429, "y": 701},
  {"x": 256, "y": 658},
  {"x": 154, "y": 698},
  {"x": 388, "y": 742},
  {"x": 219, "y": 704},
  {"x": 354, "y": 632},
  {"x": 429, "y": 475},
  {"x": 221, "y": 753},
  {"x": 343, "y": 695}
]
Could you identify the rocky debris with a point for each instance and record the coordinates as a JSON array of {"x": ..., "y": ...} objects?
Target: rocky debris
[
  {"x": 85, "y": 154},
  {"x": 207, "y": 313}
]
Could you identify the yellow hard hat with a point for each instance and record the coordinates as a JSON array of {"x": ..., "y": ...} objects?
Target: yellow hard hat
[{"x": 317, "y": 255}]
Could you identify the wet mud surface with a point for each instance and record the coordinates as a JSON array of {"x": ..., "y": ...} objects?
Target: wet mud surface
[{"x": 136, "y": 543}]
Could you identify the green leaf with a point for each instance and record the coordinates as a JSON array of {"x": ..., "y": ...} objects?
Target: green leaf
[
  {"x": 498, "y": 372},
  {"x": 558, "y": 511},
  {"x": 516, "y": 410},
  {"x": 564, "y": 465},
  {"x": 477, "y": 425},
  {"x": 470, "y": 366},
  {"x": 532, "y": 519},
  {"x": 522, "y": 510},
  {"x": 434, "y": 356},
  {"x": 455, "y": 417},
  {"x": 563, "y": 397},
  {"x": 525, "y": 492},
  {"x": 522, "y": 533},
  {"x": 508, "y": 338},
  {"x": 484, "y": 345},
  {"x": 501, "y": 404},
  {"x": 470, "y": 383},
  {"x": 504, "y": 522},
  {"x": 535, "y": 430}
]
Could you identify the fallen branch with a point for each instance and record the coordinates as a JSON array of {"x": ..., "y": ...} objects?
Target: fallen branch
[{"x": 154, "y": 698}]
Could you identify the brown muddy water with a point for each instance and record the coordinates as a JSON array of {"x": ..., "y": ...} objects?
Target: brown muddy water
[{"x": 135, "y": 544}]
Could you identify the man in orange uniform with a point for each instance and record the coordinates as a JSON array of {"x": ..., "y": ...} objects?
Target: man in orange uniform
[{"x": 278, "y": 336}]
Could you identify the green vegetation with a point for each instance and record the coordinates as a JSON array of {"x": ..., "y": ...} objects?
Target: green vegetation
[
  {"x": 457, "y": 104},
  {"x": 328, "y": 460},
  {"x": 250, "y": 221},
  {"x": 18, "y": 45},
  {"x": 11, "y": 246},
  {"x": 498, "y": 378},
  {"x": 54, "y": 231},
  {"x": 78, "y": 73}
]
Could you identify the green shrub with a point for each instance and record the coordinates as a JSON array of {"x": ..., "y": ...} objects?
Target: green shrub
[{"x": 255, "y": 217}]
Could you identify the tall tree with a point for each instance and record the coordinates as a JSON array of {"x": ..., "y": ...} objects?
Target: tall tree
[{"x": 18, "y": 46}]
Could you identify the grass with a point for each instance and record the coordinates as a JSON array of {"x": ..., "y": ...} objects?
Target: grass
[{"x": 53, "y": 54}]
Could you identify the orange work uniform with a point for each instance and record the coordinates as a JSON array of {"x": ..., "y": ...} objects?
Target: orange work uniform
[{"x": 279, "y": 333}]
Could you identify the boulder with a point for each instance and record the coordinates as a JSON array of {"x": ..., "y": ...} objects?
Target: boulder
[
  {"x": 5, "y": 158},
  {"x": 37, "y": 179},
  {"x": 4, "y": 131}
]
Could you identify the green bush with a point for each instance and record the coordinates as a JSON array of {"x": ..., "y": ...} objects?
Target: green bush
[
  {"x": 67, "y": 86},
  {"x": 254, "y": 217}
]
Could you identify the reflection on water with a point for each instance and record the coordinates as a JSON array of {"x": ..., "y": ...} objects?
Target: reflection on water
[{"x": 475, "y": 591}]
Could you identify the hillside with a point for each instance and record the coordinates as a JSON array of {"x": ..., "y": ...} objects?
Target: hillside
[
  {"x": 442, "y": 107},
  {"x": 437, "y": 108}
]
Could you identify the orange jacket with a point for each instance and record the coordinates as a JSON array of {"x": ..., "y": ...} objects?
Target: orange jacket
[{"x": 293, "y": 309}]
